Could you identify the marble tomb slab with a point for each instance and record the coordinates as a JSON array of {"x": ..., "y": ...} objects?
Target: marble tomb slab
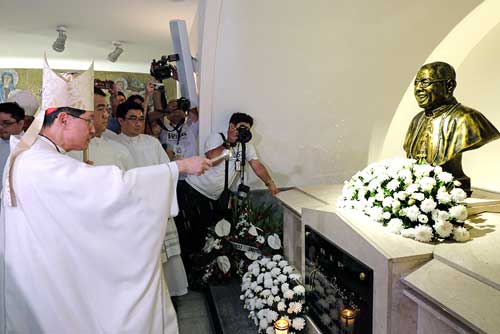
[{"x": 472, "y": 302}]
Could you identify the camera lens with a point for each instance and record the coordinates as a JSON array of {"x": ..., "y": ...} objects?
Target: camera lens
[
  {"x": 244, "y": 134},
  {"x": 183, "y": 104}
]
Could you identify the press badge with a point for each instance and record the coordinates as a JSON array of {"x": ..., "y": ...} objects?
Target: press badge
[
  {"x": 237, "y": 165},
  {"x": 178, "y": 151}
]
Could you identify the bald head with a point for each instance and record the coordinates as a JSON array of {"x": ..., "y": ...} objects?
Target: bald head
[{"x": 441, "y": 70}]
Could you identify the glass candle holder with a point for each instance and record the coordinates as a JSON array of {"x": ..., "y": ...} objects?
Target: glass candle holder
[
  {"x": 347, "y": 320},
  {"x": 281, "y": 326}
]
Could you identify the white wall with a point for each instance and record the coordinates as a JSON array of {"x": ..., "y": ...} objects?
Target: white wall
[
  {"x": 321, "y": 78},
  {"x": 479, "y": 87}
]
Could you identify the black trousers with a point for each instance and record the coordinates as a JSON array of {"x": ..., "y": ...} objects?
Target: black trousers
[{"x": 196, "y": 214}]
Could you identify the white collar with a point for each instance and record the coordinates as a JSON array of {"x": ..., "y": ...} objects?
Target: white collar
[{"x": 129, "y": 139}]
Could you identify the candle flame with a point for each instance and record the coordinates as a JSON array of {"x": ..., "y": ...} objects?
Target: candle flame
[
  {"x": 281, "y": 324},
  {"x": 348, "y": 313}
]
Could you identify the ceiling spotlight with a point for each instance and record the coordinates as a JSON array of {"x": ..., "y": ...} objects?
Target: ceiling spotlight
[
  {"x": 113, "y": 55},
  {"x": 61, "y": 39}
]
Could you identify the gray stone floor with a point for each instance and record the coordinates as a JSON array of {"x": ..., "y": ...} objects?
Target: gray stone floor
[{"x": 193, "y": 314}]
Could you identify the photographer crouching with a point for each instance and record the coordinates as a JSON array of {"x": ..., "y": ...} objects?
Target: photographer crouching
[{"x": 203, "y": 200}]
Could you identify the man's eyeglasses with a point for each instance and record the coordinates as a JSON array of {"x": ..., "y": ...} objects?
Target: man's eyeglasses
[
  {"x": 135, "y": 119},
  {"x": 6, "y": 123},
  {"x": 424, "y": 83},
  {"x": 90, "y": 122}
]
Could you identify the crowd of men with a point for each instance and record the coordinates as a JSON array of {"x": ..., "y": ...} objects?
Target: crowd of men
[{"x": 107, "y": 213}]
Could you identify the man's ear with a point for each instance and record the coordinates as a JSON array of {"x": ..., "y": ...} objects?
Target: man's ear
[
  {"x": 120, "y": 120},
  {"x": 450, "y": 86},
  {"x": 63, "y": 118}
]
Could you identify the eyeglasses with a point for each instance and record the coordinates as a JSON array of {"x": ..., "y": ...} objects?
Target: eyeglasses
[
  {"x": 7, "y": 123},
  {"x": 424, "y": 83},
  {"x": 90, "y": 122},
  {"x": 135, "y": 119}
]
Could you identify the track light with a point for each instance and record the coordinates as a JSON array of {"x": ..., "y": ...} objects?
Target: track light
[
  {"x": 60, "y": 42},
  {"x": 113, "y": 55}
]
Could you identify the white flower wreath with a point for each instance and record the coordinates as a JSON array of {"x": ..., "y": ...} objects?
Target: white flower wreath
[{"x": 414, "y": 200}]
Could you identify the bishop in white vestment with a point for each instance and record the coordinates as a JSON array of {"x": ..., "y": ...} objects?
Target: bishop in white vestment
[{"x": 80, "y": 245}]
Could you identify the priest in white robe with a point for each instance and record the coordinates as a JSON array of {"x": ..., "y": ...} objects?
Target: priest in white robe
[
  {"x": 80, "y": 245},
  {"x": 102, "y": 149},
  {"x": 147, "y": 151}
]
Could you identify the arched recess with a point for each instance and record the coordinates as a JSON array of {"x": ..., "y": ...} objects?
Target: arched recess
[{"x": 472, "y": 47}]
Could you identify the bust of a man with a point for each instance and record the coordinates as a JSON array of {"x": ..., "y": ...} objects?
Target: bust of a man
[{"x": 445, "y": 128}]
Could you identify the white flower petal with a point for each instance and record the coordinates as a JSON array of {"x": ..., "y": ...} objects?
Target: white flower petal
[
  {"x": 223, "y": 263},
  {"x": 223, "y": 228},
  {"x": 274, "y": 241},
  {"x": 252, "y": 255}
]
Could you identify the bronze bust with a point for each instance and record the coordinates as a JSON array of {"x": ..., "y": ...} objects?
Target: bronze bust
[{"x": 445, "y": 128}]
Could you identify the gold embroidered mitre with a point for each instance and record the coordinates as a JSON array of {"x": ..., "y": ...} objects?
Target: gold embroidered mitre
[{"x": 67, "y": 89}]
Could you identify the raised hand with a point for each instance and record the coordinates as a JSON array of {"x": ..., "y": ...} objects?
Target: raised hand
[{"x": 195, "y": 165}]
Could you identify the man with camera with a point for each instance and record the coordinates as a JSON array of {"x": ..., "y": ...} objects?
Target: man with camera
[
  {"x": 180, "y": 135},
  {"x": 199, "y": 202}
]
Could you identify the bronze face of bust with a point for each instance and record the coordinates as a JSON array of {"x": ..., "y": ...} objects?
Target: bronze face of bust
[{"x": 445, "y": 128}]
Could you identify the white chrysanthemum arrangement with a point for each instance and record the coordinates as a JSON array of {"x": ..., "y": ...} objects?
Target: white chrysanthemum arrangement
[
  {"x": 270, "y": 290},
  {"x": 415, "y": 200}
]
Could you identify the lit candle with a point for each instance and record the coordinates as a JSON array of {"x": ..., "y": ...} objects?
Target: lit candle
[
  {"x": 281, "y": 326},
  {"x": 347, "y": 319}
]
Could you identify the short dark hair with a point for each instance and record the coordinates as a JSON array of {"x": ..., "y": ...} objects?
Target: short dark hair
[
  {"x": 13, "y": 109},
  {"x": 131, "y": 98},
  {"x": 50, "y": 118},
  {"x": 121, "y": 94},
  {"x": 239, "y": 117},
  {"x": 98, "y": 91},
  {"x": 124, "y": 107}
]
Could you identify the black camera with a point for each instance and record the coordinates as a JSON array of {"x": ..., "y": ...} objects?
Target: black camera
[
  {"x": 183, "y": 104},
  {"x": 162, "y": 69},
  {"x": 103, "y": 84},
  {"x": 244, "y": 134},
  {"x": 243, "y": 191}
]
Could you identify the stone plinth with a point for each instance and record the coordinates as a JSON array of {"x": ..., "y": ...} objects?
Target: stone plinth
[{"x": 406, "y": 300}]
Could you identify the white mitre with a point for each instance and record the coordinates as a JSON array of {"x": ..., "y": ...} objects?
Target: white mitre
[
  {"x": 58, "y": 90},
  {"x": 67, "y": 89},
  {"x": 26, "y": 100}
]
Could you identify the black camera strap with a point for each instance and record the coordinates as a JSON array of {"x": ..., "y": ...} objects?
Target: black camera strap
[
  {"x": 177, "y": 128},
  {"x": 226, "y": 163}
]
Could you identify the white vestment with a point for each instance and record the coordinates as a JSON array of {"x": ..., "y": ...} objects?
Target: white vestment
[
  {"x": 104, "y": 152},
  {"x": 147, "y": 151},
  {"x": 108, "y": 134},
  {"x": 80, "y": 253}
]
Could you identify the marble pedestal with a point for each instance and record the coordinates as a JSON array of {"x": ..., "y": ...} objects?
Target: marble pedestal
[{"x": 418, "y": 288}]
